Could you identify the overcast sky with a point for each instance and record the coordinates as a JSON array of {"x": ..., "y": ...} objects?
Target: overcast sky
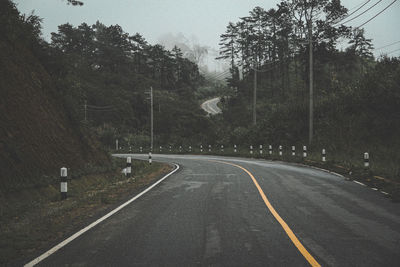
[{"x": 203, "y": 20}]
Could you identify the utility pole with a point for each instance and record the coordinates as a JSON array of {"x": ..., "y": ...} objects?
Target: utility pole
[
  {"x": 151, "y": 119},
  {"x": 311, "y": 66},
  {"x": 85, "y": 106},
  {"x": 255, "y": 97}
]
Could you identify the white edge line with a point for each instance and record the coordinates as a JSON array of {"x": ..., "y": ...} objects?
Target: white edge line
[
  {"x": 312, "y": 167},
  {"x": 90, "y": 226},
  {"x": 385, "y": 193},
  {"x": 357, "y": 182},
  {"x": 325, "y": 170}
]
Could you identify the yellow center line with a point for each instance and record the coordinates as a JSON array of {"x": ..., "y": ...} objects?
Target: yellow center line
[{"x": 284, "y": 225}]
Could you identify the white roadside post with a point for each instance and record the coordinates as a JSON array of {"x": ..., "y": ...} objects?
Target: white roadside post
[
  {"x": 209, "y": 148},
  {"x": 304, "y": 151},
  {"x": 201, "y": 148},
  {"x": 323, "y": 155},
  {"x": 366, "y": 160},
  {"x": 160, "y": 149},
  {"x": 234, "y": 148},
  {"x": 116, "y": 145},
  {"x": 128, "y": 172},
  {"x": 170, "y": 148},
  {"x": 261, "y": 149},
  {"x": 280, "y": 150},
  {"x": 190, "y": 149},
  {"x": 270, "y": 149},
  {"x": 293, "y": 151},
  {"x": 63, "y": 185},
  {"x": 180, "y": 149},
  {"x": 141, "y": 149},
  {"x": 251, "y": 149},
  {"x": 150, "y": 159},
  {"x": 222, "y": 148},
  {"x": 130, "y": 149}
]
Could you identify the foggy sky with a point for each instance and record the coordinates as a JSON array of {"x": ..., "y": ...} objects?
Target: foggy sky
[{"x": 200, "y": 21}]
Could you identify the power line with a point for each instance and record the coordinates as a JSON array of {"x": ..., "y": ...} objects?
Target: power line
[
  {"x": 213, "y": 76},
  {"x": 218, "y": 76},
  {"x": 377, "y": 14},
  {"x": 105, "y": 110},
  {"x": 387, "y": 45},
  {"x": 362, "y": 13},
  {"x": 99, "y": 107},
  {"x": 362, "y": 5},
  {"x": 266, "y": 70},
  {"x": 391, "y": 52}
]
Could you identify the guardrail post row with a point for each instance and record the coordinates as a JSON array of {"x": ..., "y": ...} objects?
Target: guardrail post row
[
  {"x": 280, "y": 150},
  {"x": 270, "y": 149},
  {"x": 63, "y": 184},
  {"x": 261, "y": 149},
  {"x": 128, "y": 171},
  {"x": 251, "y": 149},
  {"x": 150, "y": 159},
  {"x": 293, "y": 151},
  {"x": 366, "y": 160},
  {"x": 323, "y": 155},
  {"x": 304, "y": 151}
]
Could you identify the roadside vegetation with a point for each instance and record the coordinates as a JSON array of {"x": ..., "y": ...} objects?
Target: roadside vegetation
[
  {"x": 356, "y": 96},
  {"x": 35, "y": 218},
  {"x": 99, "y": 75}
]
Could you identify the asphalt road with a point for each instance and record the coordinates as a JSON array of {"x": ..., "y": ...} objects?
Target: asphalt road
[
  {"x": 210, "y": 106},
  {"x": 211, "y": 213}
]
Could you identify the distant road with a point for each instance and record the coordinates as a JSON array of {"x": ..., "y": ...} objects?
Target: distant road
[
  {"x": 221, "y": 211},
  {"x": 210, "y": 106}
]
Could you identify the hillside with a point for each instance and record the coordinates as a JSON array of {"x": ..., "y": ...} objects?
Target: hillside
[
  {"x": 63, "y": 101},
  {"x": 36, "y": 135}
]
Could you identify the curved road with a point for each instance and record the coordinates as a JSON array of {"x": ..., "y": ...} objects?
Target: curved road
[
  {"x": 210, "y": 106},
  {"x": 220, "y": 211}
]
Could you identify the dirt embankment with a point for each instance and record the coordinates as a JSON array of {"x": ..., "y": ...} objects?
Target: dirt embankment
[{"x": 37, "y": 137}]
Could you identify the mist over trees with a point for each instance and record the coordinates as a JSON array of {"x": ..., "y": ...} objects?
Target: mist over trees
[
  {"x": 190, "y": 47},
  {"x": 107, "y": 67}
]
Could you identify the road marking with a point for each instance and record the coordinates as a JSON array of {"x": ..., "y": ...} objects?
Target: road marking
[
  {"x": 284, "y": 225},
  {"x": 357, "y": 182},
  {"x": 87, "y": 228}
]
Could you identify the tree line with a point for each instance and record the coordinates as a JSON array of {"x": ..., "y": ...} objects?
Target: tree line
[
  {"x": 356, "y": 96},
  {"x": 103, "y": 75}
]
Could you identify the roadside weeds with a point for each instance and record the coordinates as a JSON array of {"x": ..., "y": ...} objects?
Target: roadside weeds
[{"x": 33, "y": 220}]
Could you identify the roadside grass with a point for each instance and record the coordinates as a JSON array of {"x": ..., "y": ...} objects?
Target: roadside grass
[{"x": 34, "y": 219}]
